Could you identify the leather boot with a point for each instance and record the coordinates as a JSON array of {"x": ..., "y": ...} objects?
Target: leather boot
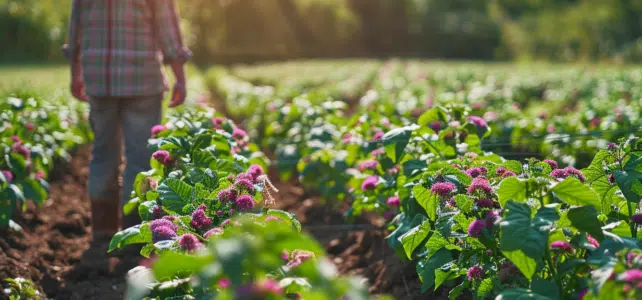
[{"x": 104, "y": 217}]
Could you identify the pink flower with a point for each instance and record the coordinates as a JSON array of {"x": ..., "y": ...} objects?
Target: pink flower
[
  {"x": 162, "y": 156},
  {"x": 255, "y": 171},
  {"x": 563, "y": 246},
  {"x": 245, "y": 202},
  {"x": 474, "y": 172},
  {"x": 157, "y": 212},
  {"x": 213, "y": 231},
  {"x": 490, "y": 219},
  {"x": 479, "y": 122},
  {"x": 162, "y": 223},
  {"x": 475, "y": 272},
  {"x": 189, "y": 242},
  {"x": 20, "y": 149},
  {"x": 443, "y": 189},
  {"x": 268, "y": 287},
  {"x": 152, "y": 183},
  {"x": 298, "y": 257},
  {"x": 378, "y": 135},
  {"x": 472, "y": 155},
  {"x": 217, "y": 123},
  {"x": 30, "y": 126},
  {"x": 227, "y": 221},
  {"x": 224, "y": 283},
  {"x": 435, "y": 126},
  {"x": 388, "y": 215},
  {"x": 612, "y": 146},
  {"x": 368, "y": 165},
  {"x": 480, "y": 185},
  {"x": 551, "y": 163},
  {"x": 346, "y": 138},
  {"x": 238, "y": 134},
  {"x": 593, "y": 241},
  {"x": 227, "y": 195},
  {"x": 370, "y": 183},
  {"x": 393, "y": 201},
  {"x": 7, "y": 175},
  {"x": 16, "y": 139},
  {"x": 500, "y": 171},
  {"x": 158, "y": 129},
  {"x": 245, "y": 176},
  {"x": 633, "y": 275},
  {"x": 508, "y": 174},
  {"x": 162, "y": 233},
  {"x": 612, "y": 179},
  {"x": 40, "y": 175},
  {"x": 244, "y": 185},
  {"x": 485, "y": 203},
  {"x": 581, "y": 294},
  {"x": 637, "y": 219},
  {"x": 475, "y": 228},
  {"x": 285, "y": 255},
  {"x": 559, "y": 174},
  {"x": 200, "y": 220},
  {"x": 577, "y": 173},
  {"x": 169, "y": 218},
  {"x": 378, "y": 152},
  {"x": 551, "y": 128}
]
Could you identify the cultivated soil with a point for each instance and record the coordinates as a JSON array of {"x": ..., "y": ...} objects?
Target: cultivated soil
[{"x": 56, "y": 251}]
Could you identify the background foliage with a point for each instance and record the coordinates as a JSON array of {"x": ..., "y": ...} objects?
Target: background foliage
[{"x": 228, "y": 31}]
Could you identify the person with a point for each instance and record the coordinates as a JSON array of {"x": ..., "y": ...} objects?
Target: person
[{"x": 116, "y": 50}]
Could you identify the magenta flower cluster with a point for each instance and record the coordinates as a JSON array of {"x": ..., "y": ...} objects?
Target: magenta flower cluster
[
  {"x": 255, "y": 171},
  {"x": 370, "y": 183},
  {"x": 7, "y": 175},
  {"x": 475, "y": 228},
  {"x": 443, "y": 189},
  {"x": 368, "y": 165},
  {"x": 162, "y": 156},
  {"x": 158, "y": 129},
  {"x": 478, "y": 121},
  {"x": 214, "y": 231},
  {"x": 227, "y": 195},
  {"x": 244, "y": 202},
  {"x": 162, "y": 230},
  {"x": 200, "y": 220},
  {"x": 238, "y": 134},
  {"x": 393, "y": 201},
  {"x": 475, "y": 273},
  {"x": 189, "y": 242},
  {"x": 562, "y": 246},
  {"x": 566, "y": 172},
  {"x": 480, "y": 185}
]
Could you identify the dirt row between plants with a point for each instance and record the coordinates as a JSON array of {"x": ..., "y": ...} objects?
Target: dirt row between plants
[{"x": 55, "y": 249}]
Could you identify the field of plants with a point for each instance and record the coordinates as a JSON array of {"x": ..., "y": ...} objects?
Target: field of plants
[{"x": 346, "y": 179}]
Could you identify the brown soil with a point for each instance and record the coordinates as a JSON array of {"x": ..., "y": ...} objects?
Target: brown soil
[
  {"x": 56, "y": 251},
  {"x": 55, "y": 247},
  {"x": 359, "y": 249}
]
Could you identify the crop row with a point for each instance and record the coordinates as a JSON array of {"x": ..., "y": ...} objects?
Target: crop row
[
  {"x": 414, "y": 150},
  {"x": 205, "y": 206},
  {"x": 35, "y": 133}
]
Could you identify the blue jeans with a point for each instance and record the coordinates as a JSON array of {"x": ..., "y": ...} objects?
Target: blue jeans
[{"x": 113, "y": 118}]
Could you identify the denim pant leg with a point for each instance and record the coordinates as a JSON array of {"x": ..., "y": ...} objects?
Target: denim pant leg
[
  {"x": 106, "y": 151},
  {"x": 139, "y": 115}
]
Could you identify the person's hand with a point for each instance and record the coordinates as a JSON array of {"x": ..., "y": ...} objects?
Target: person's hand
[
  {"x": 78, "y": 89},
  {"x": 178, "y": 94}
]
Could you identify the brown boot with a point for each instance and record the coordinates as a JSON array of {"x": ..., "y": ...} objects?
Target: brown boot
[{"x": 104, "y": 217}]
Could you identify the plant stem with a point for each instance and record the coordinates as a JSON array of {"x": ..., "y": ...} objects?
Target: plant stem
[
  {"x": 632, "y": 224},
  {"x": 549, "y": 261}
]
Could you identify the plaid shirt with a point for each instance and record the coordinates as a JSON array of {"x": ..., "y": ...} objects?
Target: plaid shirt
[{"x": 122, "y": 43}]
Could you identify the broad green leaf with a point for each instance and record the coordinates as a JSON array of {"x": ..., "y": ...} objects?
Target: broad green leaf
[
  {"x": 573, "y": 192},
  {"x": 427, "y": 200},
  {"x": 406, "y": 223},
  {"x": 426, "y": 268},
  {"x": 520, "y": 294},
  {"x": 441, "y": 276},
  {"x": 395, "y": 141},
  {"x": 456, "y": 291},
  {"x": 511, "y": 188},
  {"x": 437, "y": 242},
  {"x": 413, "y": 238},
  {"x": 546, "y": 288},
  {"x": 513, "y": 165},
  {"x": 464, "y": 203},
  {"x": 174, "y": 194},
  {"x": 413, "y": 166},
  {"x": 525, "y": 264},
  {"x": 172, "y": 265},
  {"x": 485, "y": 287},
  {"x": 134, "y": 235},
  {"x": 585, "y": 219},
  {"x": 519, "y": 233},
  {"x": 286, "y": 216}
]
